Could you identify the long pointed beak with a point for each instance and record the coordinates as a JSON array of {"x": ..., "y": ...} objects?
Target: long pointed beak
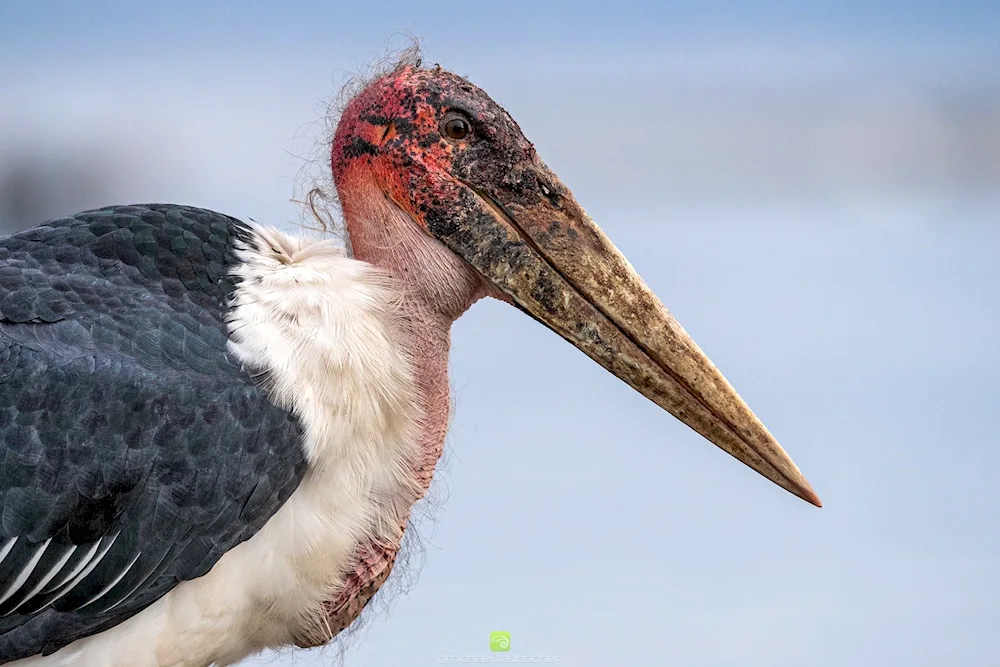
[{"x": 538, "y": 246}]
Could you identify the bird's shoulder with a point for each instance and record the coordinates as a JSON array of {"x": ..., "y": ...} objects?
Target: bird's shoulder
[
  {"x": 136, "y": 451},
  {"x": 93, "y": 262}
]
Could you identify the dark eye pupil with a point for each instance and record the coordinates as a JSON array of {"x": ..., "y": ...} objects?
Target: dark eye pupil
[{"x": 456, "y": 128}]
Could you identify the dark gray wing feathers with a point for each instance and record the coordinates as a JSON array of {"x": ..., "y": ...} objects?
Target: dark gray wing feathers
[{"x": 135, "y": 452}]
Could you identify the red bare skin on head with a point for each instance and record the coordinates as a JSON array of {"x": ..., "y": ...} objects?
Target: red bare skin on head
[
  {"x": 389, "y": 157},
  {"x": 390, "y": 132},
  {"x": 389, "y": 136}
]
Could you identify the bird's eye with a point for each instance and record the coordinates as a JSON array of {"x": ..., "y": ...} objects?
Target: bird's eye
[{"x": 456, "y": 127}]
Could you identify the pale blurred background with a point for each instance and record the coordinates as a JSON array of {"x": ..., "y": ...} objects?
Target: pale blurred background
[{"x": 812, "y": 188}]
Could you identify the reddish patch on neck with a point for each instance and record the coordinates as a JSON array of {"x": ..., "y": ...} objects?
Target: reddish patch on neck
[
  {"x": 375, "y": 560},
  {"x": 428, "y": 337}
]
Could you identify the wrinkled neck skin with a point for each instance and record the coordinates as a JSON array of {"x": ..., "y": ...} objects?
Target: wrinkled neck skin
[{"x": 436, "y": 288}]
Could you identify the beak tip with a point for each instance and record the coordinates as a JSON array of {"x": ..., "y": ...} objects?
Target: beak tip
[{"x": 806, "y": 493}]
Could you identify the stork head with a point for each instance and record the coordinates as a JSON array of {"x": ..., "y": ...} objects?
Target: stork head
[{"x": 425, "y": 161}]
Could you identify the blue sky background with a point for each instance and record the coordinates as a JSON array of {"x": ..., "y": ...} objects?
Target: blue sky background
[{"x": 812, "y": 188}]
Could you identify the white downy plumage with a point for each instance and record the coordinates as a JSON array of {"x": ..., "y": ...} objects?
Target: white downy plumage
[{"x": 325, "y": 327}]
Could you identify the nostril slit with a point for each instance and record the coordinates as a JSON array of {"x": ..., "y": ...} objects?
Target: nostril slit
[{"x": 549, "y": 193}]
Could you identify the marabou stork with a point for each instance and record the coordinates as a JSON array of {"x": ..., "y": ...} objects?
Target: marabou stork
[{"x": 213, "y": 432}]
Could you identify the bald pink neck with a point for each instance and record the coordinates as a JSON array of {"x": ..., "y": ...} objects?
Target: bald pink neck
[{"x": 437, "y": 288}]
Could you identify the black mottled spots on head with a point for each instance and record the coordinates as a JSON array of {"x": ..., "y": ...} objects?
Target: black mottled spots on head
[
  {"x": 433, "y": 97},
  {"x": 403, "y": 125},
  {"x": 358, "y": 147},
  {"x": 429, "y": 140}
]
